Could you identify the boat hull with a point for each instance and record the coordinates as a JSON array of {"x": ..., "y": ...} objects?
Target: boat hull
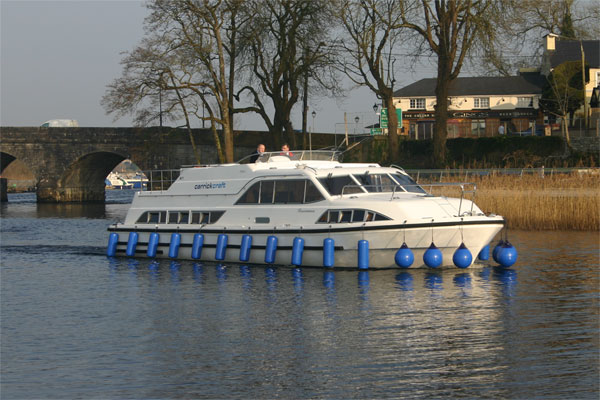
[{"x": 383, "y": 243}]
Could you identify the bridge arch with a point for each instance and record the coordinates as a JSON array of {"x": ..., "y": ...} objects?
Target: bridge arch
[{"x": 82, "y": 180}]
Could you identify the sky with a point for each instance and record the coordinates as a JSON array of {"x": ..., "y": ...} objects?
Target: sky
[{"x": 57, "y": 57}]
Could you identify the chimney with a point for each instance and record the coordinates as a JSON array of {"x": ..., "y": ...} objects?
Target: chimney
[{"x": 551, "y": 41}]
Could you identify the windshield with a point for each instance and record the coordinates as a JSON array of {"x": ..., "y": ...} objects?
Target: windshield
[
  {"x": 376, "y": 182},
  {"x": 408, "y": 183}
]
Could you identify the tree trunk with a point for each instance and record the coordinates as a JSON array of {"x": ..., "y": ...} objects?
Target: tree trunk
[
  {"x": 441, "y": 112},
  {"x": 392, "y": 129},
  {"x": 228, "y": 139}
]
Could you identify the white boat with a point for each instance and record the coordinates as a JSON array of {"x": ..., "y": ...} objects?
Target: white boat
[
  {"x": 137, "y": 181},
  {"x": 116, "y": 181},
  {"x": 305, "y": 208}
]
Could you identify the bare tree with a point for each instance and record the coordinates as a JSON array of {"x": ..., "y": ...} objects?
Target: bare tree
[
  {"x": 450, "y": 30},
  {"x": 188, "y": 54},
  {"x": 371, "y": 27},
  {"x": 284, "y": 45}
]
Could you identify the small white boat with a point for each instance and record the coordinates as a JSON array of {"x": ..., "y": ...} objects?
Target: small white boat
[
  {"x": 138, "y": 181},
  {"x": 303, "y": 208},
  {"x": 116, "y": 181}
]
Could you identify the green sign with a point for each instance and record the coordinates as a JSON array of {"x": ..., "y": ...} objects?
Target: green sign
[
  {"x": 376, "y": 131},
  {"x": 383, "y": 118}
]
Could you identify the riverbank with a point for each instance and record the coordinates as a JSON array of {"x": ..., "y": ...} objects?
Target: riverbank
[{"x": 537, "y": 202}]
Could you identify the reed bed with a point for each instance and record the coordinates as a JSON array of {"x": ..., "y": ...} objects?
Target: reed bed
[{"x": 536, "y": 202}]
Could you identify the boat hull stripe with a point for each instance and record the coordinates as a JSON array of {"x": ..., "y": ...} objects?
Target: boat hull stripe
[{"x": 308, "y": 231}]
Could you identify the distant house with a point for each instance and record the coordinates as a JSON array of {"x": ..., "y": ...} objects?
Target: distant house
[
  {"x": 478, "y": 106},
  {"x": 558, "y": 50}
]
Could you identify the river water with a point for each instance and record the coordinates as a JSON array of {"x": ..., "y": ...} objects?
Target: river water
[{"x": 75, "y": 324}]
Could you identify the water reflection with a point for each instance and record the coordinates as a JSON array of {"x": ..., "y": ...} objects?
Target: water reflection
[
  {"x": 434, "y": 281},
  {"x": 298, "y": 280},
  {"x": 221, "y": 273},
  {"x": 198, "y": 273},
  {"x": 329, "y": 279},
  {"x": 508, "y": 278},
  {"x": 363, "y": 284},
  {"x": 404, "y": 281}
]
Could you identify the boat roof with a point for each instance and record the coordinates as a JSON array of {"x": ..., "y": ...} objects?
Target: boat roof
[{"x": 323, "y": 161}]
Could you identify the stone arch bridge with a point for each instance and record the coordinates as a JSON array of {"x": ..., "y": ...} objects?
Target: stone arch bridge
[{"x": 70, "y": 164}]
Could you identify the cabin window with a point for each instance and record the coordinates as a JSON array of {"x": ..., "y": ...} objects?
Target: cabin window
[
  {"x": 289, "y": 192},
  {"x": 336, "y": 184},
  {"x": 251, "y": 195},
  {"x": 178, "y": 217},
  {"x": 153, "y": 217},
  {"x": 266, "y": 192},
  {"x": 358, "y": 216},
  {"x": 312, "y": 194},
  {"x": 347, "y": 216},
  {"x": 286, "y": 191},
  {"x": 214, "y": 216},
  {"x": 408, "y": 184}
]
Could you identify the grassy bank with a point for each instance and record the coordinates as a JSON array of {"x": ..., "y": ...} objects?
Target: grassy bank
[{"x": 533, "y": 202}]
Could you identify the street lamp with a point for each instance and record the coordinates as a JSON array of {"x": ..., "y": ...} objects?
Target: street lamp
[
  {"x": 356, "y": 119},
  {"x": 314, "y": 114},
  {"x": 375, "y": 108}
]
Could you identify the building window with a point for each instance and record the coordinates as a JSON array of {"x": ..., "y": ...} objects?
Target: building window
[
  {"x": 417, "y": 104},
  {"x": 481, "y": 102},
  {"x": 524, "y": 102},
  {"x": 478, "y": 127}
]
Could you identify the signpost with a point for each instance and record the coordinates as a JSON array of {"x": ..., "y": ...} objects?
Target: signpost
[{"x": 383, "y": 118}]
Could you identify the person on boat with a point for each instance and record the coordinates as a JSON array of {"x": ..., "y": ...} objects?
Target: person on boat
[
  {"x": 285, "y": 150},
  {"x": 260, "y": 149}
]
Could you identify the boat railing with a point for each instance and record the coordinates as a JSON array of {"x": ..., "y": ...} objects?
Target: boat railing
[
  {"x": 162, "y": 179},
  {"x": 294, "y": 155},
  {"x": 466, "y": 189}
]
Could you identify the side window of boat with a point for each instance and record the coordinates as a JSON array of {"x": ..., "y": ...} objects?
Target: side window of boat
[
  {"x": 289, "y": 192},
  {"x": 179, "y": 217},
  {"x": 266, "y": 192},
  {"x": 251, "y": 195},
  {"x": 345, "y": 216},
  {"x": 145, "y": 218},
  {"x": 312, "y": 194},
  {"x": 335, "y": 184},
  {"x": 205, "y": 217},
  {"x": 153, "y": 217},
  {"x": 215, "y": 215}
]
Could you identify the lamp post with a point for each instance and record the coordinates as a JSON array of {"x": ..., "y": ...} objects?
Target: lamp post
[
  {"x": 356, "y": 119},
  {"x": 375, "y": 108},
  {"x": 314, "y": 114}
]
